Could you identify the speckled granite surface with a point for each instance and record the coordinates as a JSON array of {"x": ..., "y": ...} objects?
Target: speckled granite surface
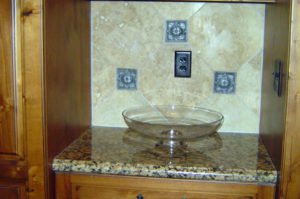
[{"x": 220, "y": 157}]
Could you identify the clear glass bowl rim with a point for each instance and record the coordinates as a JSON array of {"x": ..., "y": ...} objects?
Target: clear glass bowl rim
[{"x": 220, "y": 115}]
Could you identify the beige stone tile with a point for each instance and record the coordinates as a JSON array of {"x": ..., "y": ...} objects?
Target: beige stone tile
[
  {"x": 108, "y": 112},
  {"x": 227, "y": 35},
  {"x": 237, "y": 118},
  {"x": 130, "y": 33},
  {"x": 249, "y": 81},
  {"x": 177, "y": 11},
  {"x": 103, "y": 82}
]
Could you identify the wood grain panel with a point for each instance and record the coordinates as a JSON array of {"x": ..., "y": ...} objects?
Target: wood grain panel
[
  {"x": 32, "y": 61},
  {"x": 98, "y": 192},
  {"x": 280, "y": 117},
  {"x": 273, "y": 107},
  {"x": 7, "y": 130},
  {"x": 14, "y": 169},
  {"x": 16, "y": 191},
  {"x": 291, "y": 154},
  {"x": 67, "y": 75}
]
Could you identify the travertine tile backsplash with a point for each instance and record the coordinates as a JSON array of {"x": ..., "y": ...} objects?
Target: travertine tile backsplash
[{"x": 222, "y": 38}]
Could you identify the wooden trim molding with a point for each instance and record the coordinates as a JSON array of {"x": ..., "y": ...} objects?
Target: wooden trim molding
[{"x": 32, "y": 62}]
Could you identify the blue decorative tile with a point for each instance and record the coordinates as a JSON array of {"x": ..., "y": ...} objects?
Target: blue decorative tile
[
  {"x": 225, "y": 82},
  {"x": 176, "y": 31},
  {"x": 126, "y": 79}
]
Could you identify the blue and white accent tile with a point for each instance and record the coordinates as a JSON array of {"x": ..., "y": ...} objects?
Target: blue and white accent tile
[
  {"x": 224, "y": 82},
  {"x": 176, "y": 31},
  {"x": 126, "y": 79}
]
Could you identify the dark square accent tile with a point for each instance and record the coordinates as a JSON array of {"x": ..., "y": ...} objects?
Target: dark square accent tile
[
  {"x": 225, "y": 82},
  {"x": 176, "y": 30},
  {"x": 126, "y": 79}
]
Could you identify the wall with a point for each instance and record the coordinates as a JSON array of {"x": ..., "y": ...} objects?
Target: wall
[{"x": 222, "y": 38}]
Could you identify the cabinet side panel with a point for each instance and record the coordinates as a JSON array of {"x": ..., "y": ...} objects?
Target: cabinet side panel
[
  {"x": 290, "y": 182},
  {"x": 273, "y": 106},
  {"x": 67, "y": 75}
]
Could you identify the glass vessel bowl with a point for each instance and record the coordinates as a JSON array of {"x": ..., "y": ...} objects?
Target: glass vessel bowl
[{"x": 173, "y": 124}]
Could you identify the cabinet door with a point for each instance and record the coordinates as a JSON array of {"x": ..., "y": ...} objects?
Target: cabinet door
[
  {"x": 12, "y": 164},
  {"x": 13, "y": 168},
  {"x": 7, "y": 121},
  {"x": 11, "y": 122},
  {"x": 77, "y": 186},
  {"x": 96, "y": 192}
]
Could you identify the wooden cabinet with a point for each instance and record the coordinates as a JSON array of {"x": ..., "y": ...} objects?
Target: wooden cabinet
[
  {"x": 13, "y": 167},
  {"x": 280, "y": 126},
  {"x": 44, "y": 67},
  {"x": 45, "y": 92},
  {"x": 107, "y": 187}
]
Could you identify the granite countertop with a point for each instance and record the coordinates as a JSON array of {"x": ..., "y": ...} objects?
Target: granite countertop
[{"x": 221, "y": 157}]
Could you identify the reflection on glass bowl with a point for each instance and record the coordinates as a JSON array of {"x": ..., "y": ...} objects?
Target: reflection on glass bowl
[
  {"x": 151, "y": 148},
  {"x": 172, "y": 124}
]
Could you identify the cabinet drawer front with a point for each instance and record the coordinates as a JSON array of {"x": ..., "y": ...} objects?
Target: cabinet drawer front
[
  {"x": 102, "y": 192},
  {"x": 78, "y": 186}
]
